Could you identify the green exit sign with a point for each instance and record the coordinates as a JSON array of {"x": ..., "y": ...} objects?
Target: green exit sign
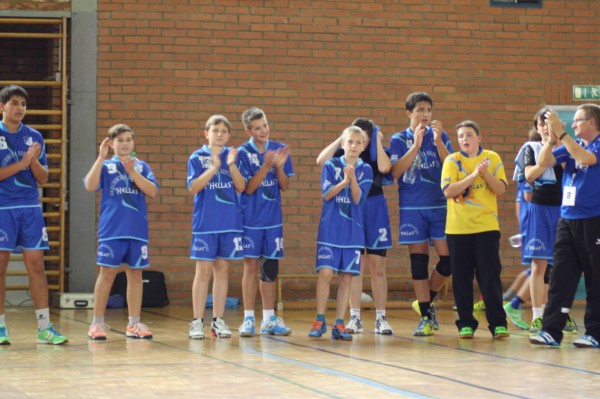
[{"x": 586, "y": 93}]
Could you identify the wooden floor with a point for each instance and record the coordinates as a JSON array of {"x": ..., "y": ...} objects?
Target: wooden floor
[{"x": 173, "y": 366}]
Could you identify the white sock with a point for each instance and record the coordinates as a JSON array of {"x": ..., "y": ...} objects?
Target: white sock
[
  {"x": 98, "y": 320},
  {"x": 537, "y": 312},
  {"x": 267, "y": 313},
  {"x": 380, "y": 313},
  {"x": 355, "y": 313},
  {"x": 2, "y": 319},
  {"x": 43, "y": 318},
  {"x": 248, "y": 313},
  {"x": 134, "y": 320}
]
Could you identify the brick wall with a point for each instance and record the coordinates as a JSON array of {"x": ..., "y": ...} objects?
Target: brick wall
[{"x": 313, "y": 66}]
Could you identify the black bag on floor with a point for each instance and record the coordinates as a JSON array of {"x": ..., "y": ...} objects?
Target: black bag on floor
[{"x": 155, "y": 288}]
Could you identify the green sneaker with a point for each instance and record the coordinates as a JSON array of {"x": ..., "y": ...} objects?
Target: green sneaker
[
  {"x": 50, "y": 336},
  {"x": 4, "y": 338},
  {"x": 536, "y": 326},
  {"x": 501, "y": 332},
  {"x": 415, "y": 307},
  {"x": 515, "y": 316},
  {"x": 478, "y": 306},
  {"x": 465, "y": 333},
  {"x": 570, "y": 326},
  {"x": 425, "y": 328}
]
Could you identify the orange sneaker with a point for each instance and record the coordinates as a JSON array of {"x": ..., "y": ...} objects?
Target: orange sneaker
[
  {"x": 138, "y": 330},
  {"x": 97, "y": 331}
]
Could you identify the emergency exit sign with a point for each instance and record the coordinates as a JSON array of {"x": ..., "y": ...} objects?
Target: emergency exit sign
[{"x": 586, "y": 93}]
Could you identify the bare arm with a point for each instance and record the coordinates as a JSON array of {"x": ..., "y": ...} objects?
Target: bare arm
[
  {"x": 437, "y": 139},
  {"x": 457, "y": 188},
  {"x": 384, "y": 165},
  {"x": 92, "y": 179},
  {"x": 495, "y": 184},
  {"x": 146, "y": 186},
  {"x": 328, "y": 151},
  {"x": 335, "y": 190},
  {"x": 238, "y": 180},
  {"x": 407, "y": 159},
  {"x": 201, "y": 181}
]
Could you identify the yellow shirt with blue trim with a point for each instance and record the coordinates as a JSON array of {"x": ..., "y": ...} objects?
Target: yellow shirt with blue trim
[{"x": 476, "y": 209}]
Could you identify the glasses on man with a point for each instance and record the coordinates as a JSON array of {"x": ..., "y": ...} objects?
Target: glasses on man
[{"x": 577, "y": 120}]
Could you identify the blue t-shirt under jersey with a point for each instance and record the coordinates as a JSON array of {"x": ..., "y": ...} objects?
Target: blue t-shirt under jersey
[
  {"x": 426, "y": 192},
  {"x": 19, "y": 190},
  {"x": 216, "y": 207},
  {"x": 341, "y": 219},
  {"x": 262, "y": 209}
]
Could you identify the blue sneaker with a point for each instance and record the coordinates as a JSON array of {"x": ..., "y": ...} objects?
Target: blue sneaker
[
  {"x": 339, "y": 332},
  {"x": 425, "y": 328},
  {"x": 434, "y": 322},
  {"x": 4, "y": 338},
  {"x": 274, "y": 326},
  {"x": 318, "y": 328},
  {"x": 247, "y": 327},
  {"x": 586, "y": 341},
  {"x": 543, "y": 338}
]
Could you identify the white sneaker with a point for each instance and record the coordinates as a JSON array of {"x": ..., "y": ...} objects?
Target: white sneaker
[
  {"x": 220, "y": 329},
  {"x": 247, "y": 327},
  {"x": 354, "y": 326},
  {"x": 383, "y": 327},
  {"x": 196, "y": 329}
]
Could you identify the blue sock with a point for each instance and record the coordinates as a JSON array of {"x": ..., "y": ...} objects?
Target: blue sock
[
  {"x": 516, "y": 302},
  {"x": 320, "y": 317},
  {"x": 339, "y": 321}
]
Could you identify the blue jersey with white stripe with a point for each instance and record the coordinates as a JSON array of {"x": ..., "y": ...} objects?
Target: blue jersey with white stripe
[
  {"x": 123, "y": 210},
  {"x": 341, "y": 223},
  {"x": 216, "y": 206},
  {"x": 19, "y": 190},
  {"x": 262, "y": 209},
  {"x": 426, "y": 192}
]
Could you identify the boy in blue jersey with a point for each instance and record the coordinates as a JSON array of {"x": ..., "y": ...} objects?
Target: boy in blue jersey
[
  {"x": 345, "y": 183},
  {"x": 124, "y": 182},
  {"x": 577, "y": 242},
  {"x": 23, "y": 166},
  {"x": 268, "y": 167},
  {"x": 417, "y": 155},
  {"x": 376, "y": 222},
  {"x": 215, "y": 180}
]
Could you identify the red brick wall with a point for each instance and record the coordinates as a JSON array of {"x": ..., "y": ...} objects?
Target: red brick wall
[{"x": 313, "y": 66}]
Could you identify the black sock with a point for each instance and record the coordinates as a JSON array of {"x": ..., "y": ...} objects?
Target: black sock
[
  {"x": 432, "y": 295},
  {"x": 424, "y": 308}
]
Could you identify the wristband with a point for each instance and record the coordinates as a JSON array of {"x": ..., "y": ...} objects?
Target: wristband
[
  {"x": 230, "y": 163},
  {"x": 562, "y": 135},
  {"x": 552, "y": 142}
]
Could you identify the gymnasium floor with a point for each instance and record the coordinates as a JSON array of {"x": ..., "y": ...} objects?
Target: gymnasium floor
[{"x": 402, "y": 366}]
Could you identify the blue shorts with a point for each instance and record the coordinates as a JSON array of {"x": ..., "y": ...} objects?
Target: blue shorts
[
  {"x": 523, "y": 211},
  {"x": 216, "y": 245},
  {"x": 422, "y": 225},
  {"x": 376, "y": 220},
  {"x": 341, "y": 260},
  {"x": 542, "y": 221},
  {"x": 266, "y": 243},
  {"x": 23, "y": 228},
  {"x": 133, "y": 253}
]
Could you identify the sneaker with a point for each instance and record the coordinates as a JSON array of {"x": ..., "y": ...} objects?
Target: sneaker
[
  {"x": 274, "y": 326},
  {"x": 479, "y": 306},
  {"x": 536, "y": 326},
  {"x": 4, "y": 338},
  {"x": 515, "y": 316},
  {"x": 425, "y": 328},
  {"x": 543, "y": 338},
  {"x": 220, "y": 329},
  {"x": 196, "y": 329},
  {"x": 50, "y": 336},
  {"x": 570, "y": 327},
  {"x": 247, "y": 327},
  {"x": 354, "y": 326},
  {"x": 381, "y": 326},
  {"x": 415, "y": 307},
  {"x": 317, "y": 329},
  {"x": 97, "y": 331},
  {"x": 501, "y": 332},
  {"x": 138, "y": 330},
  {"x": 586, "y": 341},
  {"x": 465, "y": 333},
  {"x": 432, "y": 313},
  {"x": 339, "y": 332}
]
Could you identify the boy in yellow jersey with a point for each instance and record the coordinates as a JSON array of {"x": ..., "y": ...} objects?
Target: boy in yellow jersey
[{"x": 471, "y": 180}]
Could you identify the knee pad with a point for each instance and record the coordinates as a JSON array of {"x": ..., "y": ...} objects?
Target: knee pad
[
  {"x": 269, "y": 270},
  {"x": 547, "y": 274},
  {"x": 443, "y": 266},
  {"x": 419, "y": 264}
]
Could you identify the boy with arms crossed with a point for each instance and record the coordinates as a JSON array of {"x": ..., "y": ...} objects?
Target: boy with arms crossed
[
  {"x": 417, "y": 154},
  {"x": 215, "y": 181},
  {"x": 268, "y": 167},
  {"x": 125, "y": 182},
  {"x": 22, "y": 168},
  {"x": 471, "y": 180},
  {"x": 345, "y": 183}
]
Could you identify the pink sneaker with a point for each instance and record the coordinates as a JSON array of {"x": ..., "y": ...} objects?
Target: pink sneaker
[{"x": 138, "y": 330}]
